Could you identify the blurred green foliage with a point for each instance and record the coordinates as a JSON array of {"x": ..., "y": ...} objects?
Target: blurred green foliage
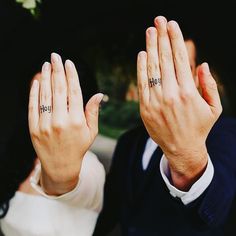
[{"x": 118, "y": 116}]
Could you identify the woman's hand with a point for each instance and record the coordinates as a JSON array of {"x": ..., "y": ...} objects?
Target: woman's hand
[
  {"x": 61, "y": 131},
  {"x": 175, "y": 115}
]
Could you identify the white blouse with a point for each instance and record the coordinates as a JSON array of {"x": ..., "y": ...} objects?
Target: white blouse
[{"x": 35, "y": 215}]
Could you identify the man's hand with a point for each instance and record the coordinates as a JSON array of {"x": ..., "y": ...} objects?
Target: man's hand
[
  {"x": 61, "y": 131},
  {"x": 175, "y": 115}
]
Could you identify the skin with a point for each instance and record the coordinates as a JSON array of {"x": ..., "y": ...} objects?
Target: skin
[
  {"x": 175, "y": 115},
  {"x": 62, "y": 137},
  {"x": 26, "y": 186}
]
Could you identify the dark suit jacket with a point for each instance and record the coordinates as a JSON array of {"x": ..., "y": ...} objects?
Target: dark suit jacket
[{"x": 152, "y": 210}]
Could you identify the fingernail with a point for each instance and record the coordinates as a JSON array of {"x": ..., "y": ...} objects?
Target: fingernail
[
  {"x": 172, "y": 24},
  {"x": 151, "y": 31},
  {"x": 160, "y": 20},
  {"x": 46, "y": 66},
  {"x": 205, "y": 68},
  {"x": 100, "y": 97},
  {"x": 54, "y": 57},
  {"x": 69, "y": 63}
]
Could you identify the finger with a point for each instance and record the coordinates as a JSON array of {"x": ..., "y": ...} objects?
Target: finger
[
  {"x": 153, "y": 70},
  {"x": 92, "y": 111},
  {"x": 180, "y": 55},
  {"x": 45, "y": 96},
  {"x": 142, "y": 76},
  {"x": 33, "y": 115},
  {"x": 168, "y": 77},
  {"x": 209, "y": 89},
  {"x": 75, "y": 98},
  {"x": 59, "y": 87}
]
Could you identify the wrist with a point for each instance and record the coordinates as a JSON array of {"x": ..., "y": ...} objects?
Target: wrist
[
  {"x": 187, "y": 167},
  {"x": 57, "y": 186}
]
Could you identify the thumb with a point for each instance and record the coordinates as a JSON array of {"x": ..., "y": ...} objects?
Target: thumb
[
  {"x": 209, "y": 88},
  {"x": 92, "y": 110}
]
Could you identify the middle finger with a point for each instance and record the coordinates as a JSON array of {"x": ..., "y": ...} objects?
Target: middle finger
[{"x": 169, "y": 82}]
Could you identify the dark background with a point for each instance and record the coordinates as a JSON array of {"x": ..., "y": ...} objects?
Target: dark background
[{"x": 87, "y": 31}]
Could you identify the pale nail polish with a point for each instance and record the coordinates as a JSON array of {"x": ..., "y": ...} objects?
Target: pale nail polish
[
  {"x": 54, "y": 57},
  {"x": 69, "y": 63},
  {"x": 46, "y": 66}
]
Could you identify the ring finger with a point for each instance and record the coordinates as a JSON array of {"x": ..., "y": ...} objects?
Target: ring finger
[
  {"x": 45, "y": 108},
  {"x": 153, "y": 71}
]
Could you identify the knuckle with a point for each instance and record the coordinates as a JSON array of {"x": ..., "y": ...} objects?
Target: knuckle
[
  {"x": 169, "y": 100},
  {"x": 45, "y": 131},
  {"x": 143, "y": 86},
  {"x": 144, "y": 113},
  {"x": 46, "y": 96},
  {"x": 152, "y": 68},
  {"x": 74, "y": 91},
  {"x": 186, "y": 95},
  {"x": 34, "y": 135},
  {"x": 76, "y": 123},
  {"x": 165, "y": 56},
  {"x": 58, "y": 127},
  {"x": 60, "y": 88},
  {"x": 179, "y": 56}
]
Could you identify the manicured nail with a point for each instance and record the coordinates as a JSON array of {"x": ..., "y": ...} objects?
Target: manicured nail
[
  {"x": 100, "y": 97},
  {"x": 160, "y": 20},
  {"x": 46, "y": 66},
  {"x": 54, "y": 57},
  {"x": 172, "y": 24},
  {"x": 205, "y": 68},
  {"x": 151, "y": 30},
  {"x": 69, "y": 63}
]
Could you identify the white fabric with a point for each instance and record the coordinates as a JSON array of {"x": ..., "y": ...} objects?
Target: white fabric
[
  {"x": 196, "y": 189},
  {"x": 148, "y": 151},
  {"x": 73, "y": 214}
]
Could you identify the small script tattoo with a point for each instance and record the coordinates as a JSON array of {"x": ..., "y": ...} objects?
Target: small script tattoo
[
  {"x": 154, "y": 82},
  {"x": 44, "y": 108}
]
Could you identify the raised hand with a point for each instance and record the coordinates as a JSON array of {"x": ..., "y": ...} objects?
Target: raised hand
[
  {"x": 175, "y": 115},
  {"x": 61, "y": 131}
]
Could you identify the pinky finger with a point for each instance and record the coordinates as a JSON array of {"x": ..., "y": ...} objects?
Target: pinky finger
[
  {"x": 33, "y": 115},
  {"x": 143, "y": 87}
]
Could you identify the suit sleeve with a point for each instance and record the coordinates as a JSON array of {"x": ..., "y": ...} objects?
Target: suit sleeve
[{"x": 213, "y": 206}]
